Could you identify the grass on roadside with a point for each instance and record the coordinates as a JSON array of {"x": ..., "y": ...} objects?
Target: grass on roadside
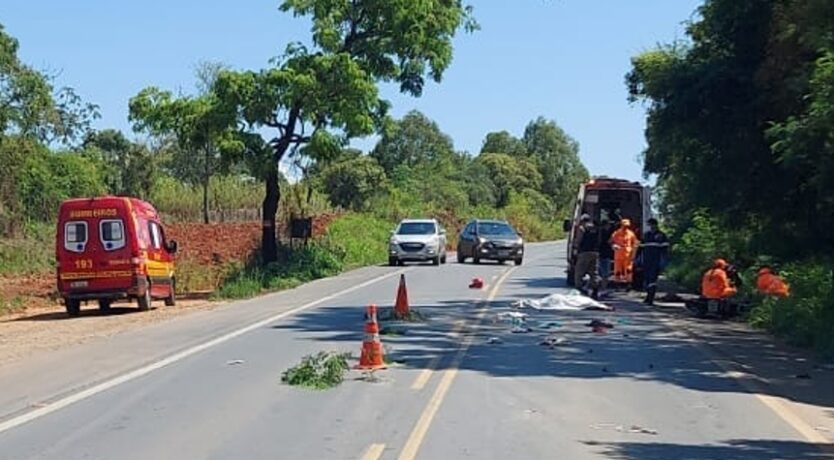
[{"x": 34, "y": 252}]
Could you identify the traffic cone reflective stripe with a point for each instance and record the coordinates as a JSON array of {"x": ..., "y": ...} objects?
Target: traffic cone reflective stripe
[{"x": 372, "y": 356}]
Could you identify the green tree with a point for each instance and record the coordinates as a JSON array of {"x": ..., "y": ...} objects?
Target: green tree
[
  {"x": 314, "y": 99},
  {"x": 201, "y": 125},
  {"x": 556, "y": 156},
  {"x": 30, "y": 106},
  {"x": 349, "y": 183},
  {"x": 503, "y": 142},
  {"x": 734, "y": 117},
  {"x": 128, "y": 168},
  {"x": 510, "y": 174},
  {"x": 413, "y": 140}
]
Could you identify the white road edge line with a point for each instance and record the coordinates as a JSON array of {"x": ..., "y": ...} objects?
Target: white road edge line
[{"x": 142, "y": 371}]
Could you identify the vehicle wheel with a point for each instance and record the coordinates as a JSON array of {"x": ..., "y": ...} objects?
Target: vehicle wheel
[
  {"x": 435, "y": 261},
  {"x": 570, "y": 281},
  {"x": 518, "y": 261},
  {"x": 401, "y": 263},
  {"x": 460, "y": 258},
  {"x": 476, "y": 260},
  {"x": 392, "y": 261},
  {"x": 104, "y": 304},
  {"x": 443, "y": 259},
  {"x": 171, "y": 300},
  {"x": 144, "y": 301},
  {"x": 73, "y": 306}
]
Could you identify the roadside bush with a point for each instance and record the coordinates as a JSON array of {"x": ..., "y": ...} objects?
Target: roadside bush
[
  {"x": 31, "y": 252},
  {"x": 700, "y": 244},
  {"x": 806, "y": 318},
  {"x": 295, "y": 266},
  {"x": 362, "y": 239}
]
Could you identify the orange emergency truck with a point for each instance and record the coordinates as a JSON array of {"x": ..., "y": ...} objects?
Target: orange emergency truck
[{"x": 111, "y": 248}]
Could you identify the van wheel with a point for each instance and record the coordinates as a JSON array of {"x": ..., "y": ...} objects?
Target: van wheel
[
  {"x": 104, "y": 304},
  {"x": 570, "y": 280},
  {"x": 519, "y": 261},
  {"x": 144, "y": 301},
  {"x": 73, "y": 307},
  {"x": 171, "y": 300}
]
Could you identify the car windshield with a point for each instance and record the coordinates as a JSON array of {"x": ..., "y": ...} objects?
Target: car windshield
[
  {"x": 416, "y": 228},
  {"x": 495, "y": 229}
]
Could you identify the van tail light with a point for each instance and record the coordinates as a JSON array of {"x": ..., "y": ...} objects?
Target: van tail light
[{"x": 138, "y": 264}]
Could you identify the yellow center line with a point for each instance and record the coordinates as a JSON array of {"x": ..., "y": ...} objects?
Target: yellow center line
[
  {"x": 374, "y": 452},
  {"x": 415, "y": 439}
]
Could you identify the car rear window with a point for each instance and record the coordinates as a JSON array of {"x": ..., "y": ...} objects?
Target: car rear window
[
  {"x": 75, "y": 236},
  {"x": 112, "y": 233}
]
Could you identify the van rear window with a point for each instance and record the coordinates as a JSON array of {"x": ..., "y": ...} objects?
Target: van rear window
[
  {"x": 75, "y": 236},
  {"x": 112, "y": 234}
]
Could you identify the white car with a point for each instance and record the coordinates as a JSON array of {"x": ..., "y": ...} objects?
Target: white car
[{"x": 419, "y": 240}]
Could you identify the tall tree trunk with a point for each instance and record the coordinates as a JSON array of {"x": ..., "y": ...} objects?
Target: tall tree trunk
[
  {"x": 206, "y": 178},
  {"x": 269, "y": 245}
]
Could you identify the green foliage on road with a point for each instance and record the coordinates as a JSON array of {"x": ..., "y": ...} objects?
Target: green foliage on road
[
  {"x": 325, "y": 369},
  {"x": 739, "y": 130}
]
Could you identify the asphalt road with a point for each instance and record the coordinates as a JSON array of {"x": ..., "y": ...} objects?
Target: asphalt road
[{"x": 645, "y": 390}]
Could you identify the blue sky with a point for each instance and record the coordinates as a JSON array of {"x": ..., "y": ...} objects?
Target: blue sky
[{"x": 562, "y": 59}]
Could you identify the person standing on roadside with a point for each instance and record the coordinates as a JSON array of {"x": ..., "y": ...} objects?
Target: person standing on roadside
[
  {"x": 606, "y": 253},
  {"x": 652, "y": 256},
  {"x": 586, "y": 246},
  {"x": 625, "y": 242}
]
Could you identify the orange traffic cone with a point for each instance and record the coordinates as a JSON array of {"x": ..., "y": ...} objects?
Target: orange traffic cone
[
  {"x": 372, "y": 354},
  {"x": 401, "y": 308}
]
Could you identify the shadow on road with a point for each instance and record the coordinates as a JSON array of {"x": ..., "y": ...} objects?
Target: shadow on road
[
  {"x": 735, "y": 449},
  {"x": 638, "y": 348}
]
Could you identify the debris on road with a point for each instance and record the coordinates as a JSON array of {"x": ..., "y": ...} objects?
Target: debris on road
[
  {"x": 477, "y": 283},
  {"x": 634, "y": 429},
  {"x": 553, "y": 341},
  {"x": 393, "y": 331},
  {"x": 641, "y": 430},
  {"x": 389, "y": 314},
  {"x": 521, "y": 329},
  {"x": 494, "y": 341},
  {"x": 599, "y": 326},
  {"x": 321, "y": 371},
  {"x": 512, "y": 316},
  {"x": 549, "y": 324},
  {"x": 572, "y": 301},
  {"x": 234, "y": 362}
]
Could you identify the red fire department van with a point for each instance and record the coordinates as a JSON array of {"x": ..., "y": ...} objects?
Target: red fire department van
[{"x": 111, "y": 248}]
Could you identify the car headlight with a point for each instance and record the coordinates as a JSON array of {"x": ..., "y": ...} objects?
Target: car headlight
[{"x": 481, "y": 240}]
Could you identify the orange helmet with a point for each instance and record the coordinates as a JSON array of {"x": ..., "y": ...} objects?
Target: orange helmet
[{"x": 720, "y": 263}]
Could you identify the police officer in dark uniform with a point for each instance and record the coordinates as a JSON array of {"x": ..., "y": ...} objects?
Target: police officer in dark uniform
[{"x": 652, "y": 256}]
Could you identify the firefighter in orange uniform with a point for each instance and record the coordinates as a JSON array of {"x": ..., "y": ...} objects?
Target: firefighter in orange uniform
[
  {"x": 624, "y": 242},
  {"x": 769, "y": 283},
  {"x": 716, "y": 285}
]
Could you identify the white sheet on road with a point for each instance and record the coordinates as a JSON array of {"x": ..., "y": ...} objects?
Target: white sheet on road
[{"x": 570, "y": 301}]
